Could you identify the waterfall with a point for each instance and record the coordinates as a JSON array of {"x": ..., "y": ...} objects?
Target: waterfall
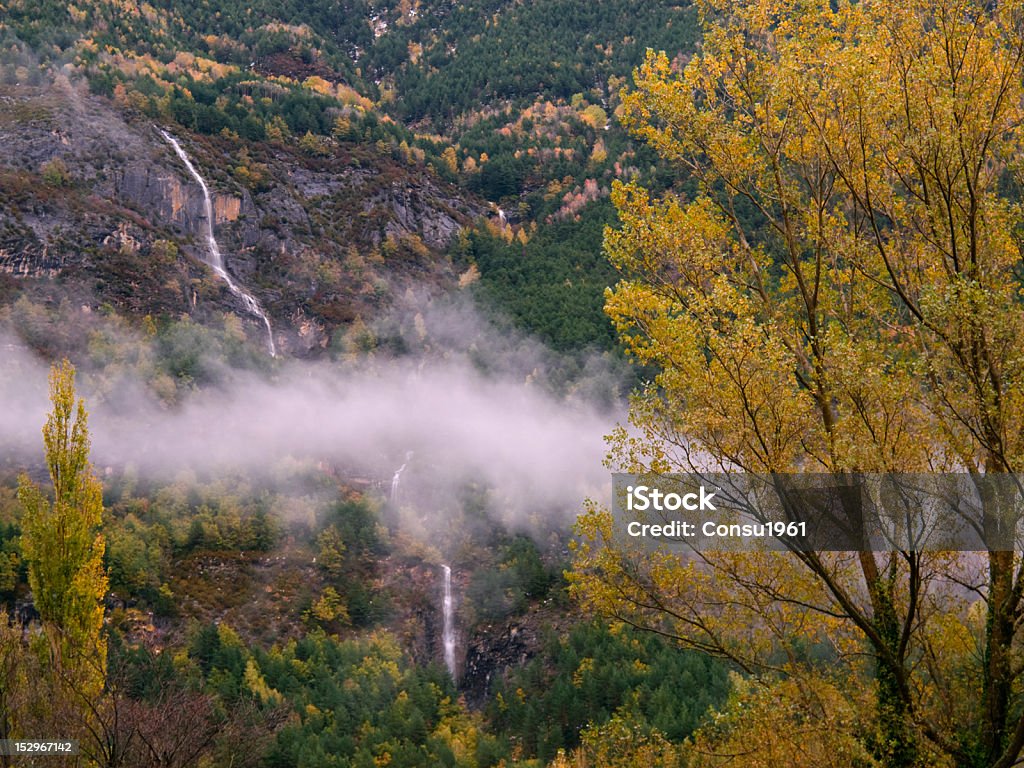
[
  {"x": 448, "y": 633},
  {"x": 396, "y": 479},
  {"x": 216, "y": 261}
]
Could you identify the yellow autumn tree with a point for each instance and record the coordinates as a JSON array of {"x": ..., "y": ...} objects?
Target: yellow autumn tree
[
  {"x": 842, "y": 294},
  {"x": 63, "y": 548}
]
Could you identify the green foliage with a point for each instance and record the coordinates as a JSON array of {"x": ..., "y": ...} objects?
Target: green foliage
[
  {"x": 500, "y": 77},
  {"x": 553, "y": 286},
  {"x": 292, "y": 76},
  {"x": 359, "y": 701},
  {"x": 55, "y": 173},
  {"x": 518, "y": 576},
  {"x": 12, "y": 567},
  {"x": 185, "y": 351},
  {"x": 62, "y": 544},
  {"x": 141, "y": 673},
  {"x": 349, "y": 546},
  {"x": 353, "y": 702},
  {"x": 171, "y": 356},
  {"x": 594, "y": 672},
  {"x": 552, "y": 48},
  {"x": 501, "y": 177},
  {"x": 355, "y": 522}
]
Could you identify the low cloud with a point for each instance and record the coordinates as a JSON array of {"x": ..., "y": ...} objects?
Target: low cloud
[{"x": 463, "y": 407}]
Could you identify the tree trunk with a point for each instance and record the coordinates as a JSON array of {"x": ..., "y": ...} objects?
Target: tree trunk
[
  {"x": 998, "y": 672},
  {"x": 897, "y": 746}
]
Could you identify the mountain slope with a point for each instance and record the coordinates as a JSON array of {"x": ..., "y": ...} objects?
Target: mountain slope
[{"x": 103, "y": 203}]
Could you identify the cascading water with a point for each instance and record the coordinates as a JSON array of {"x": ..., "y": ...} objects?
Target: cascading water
[
  {"x": 216, "y": 261},
  {"x": 397, "y": 478},
  {"x": 448, "y": 631}
]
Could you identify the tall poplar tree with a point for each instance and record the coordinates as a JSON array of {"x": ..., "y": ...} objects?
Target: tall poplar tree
[
  {"x": 63, "y": 546},
  {"x": 841, "y": 294}
]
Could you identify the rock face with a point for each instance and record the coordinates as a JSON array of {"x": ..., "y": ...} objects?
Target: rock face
[
  {"x": 417, "y": 209},
  {"x": 88, "y": 194},
  {"x": 493, "y": 652},
  {"x": 169, "y": 199},
  {"x": 31, "y": 259},
  {"x": 373, "y": 204},
  {"x": 496, "y": 649}
]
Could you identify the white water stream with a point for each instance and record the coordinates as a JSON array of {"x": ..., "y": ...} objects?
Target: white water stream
[
  {"x": 448, "y": 632},
  {"x": 216, "y": 260},
  {"x": 396, "y": 479}
]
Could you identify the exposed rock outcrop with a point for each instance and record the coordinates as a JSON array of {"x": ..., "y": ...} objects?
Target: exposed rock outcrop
[{"x": 81, "y": 184}]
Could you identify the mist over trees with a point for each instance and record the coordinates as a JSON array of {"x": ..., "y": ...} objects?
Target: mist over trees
[{"x": 814, "y": 218}]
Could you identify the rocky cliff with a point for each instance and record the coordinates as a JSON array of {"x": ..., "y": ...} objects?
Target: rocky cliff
[{"x": 97, "y": 197}]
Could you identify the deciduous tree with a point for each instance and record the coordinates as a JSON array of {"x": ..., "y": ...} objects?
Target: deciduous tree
[
  {"x": 842, "y": 294},
  {"x": 63, "y": 546}
]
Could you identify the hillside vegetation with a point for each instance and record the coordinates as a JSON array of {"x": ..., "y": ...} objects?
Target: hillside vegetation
[{"x": 373, "y": 169}]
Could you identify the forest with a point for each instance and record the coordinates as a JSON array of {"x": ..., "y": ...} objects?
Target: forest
[{"x": 500, "y": 250}]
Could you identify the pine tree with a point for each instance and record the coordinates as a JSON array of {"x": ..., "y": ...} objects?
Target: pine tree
[{"x": 63, "y": 546}]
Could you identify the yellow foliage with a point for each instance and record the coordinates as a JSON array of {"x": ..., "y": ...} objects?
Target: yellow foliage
[
  {"x": 330, "y": 607},
  {"x": 256, "y": 683},
  {"x": 450, "y": 159},
  {"x": 798, "y": 722},
  {"x": 594, "y": 116},
  {"x": 350, "y": 96},
  {"x": 342, "y": 125},
  {"x": 318, "y": 85},
  {"x": 228, "y": 637},
  {"x": 277, "y": 129},
  {"x": 840, "y": 295},
  {"x": 623, "y": 742},
  {"x": 585, "y": 666},
  {"x": 62, "y": 546}
]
